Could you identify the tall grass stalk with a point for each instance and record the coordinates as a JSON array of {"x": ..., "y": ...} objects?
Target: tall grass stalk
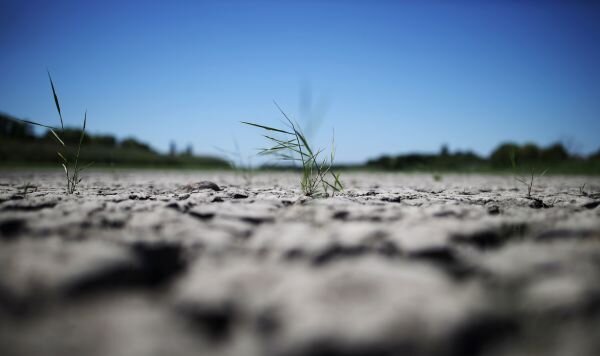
[
  {"x": 290, "y": 144},
  {"x": 69, "y": 157}
]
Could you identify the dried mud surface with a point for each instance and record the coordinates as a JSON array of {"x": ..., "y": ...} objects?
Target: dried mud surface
[{"x": 197, "y": 263}]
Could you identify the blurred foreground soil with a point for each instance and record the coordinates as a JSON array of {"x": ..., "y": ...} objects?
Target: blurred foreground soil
[{"x": 156, "y": 263}]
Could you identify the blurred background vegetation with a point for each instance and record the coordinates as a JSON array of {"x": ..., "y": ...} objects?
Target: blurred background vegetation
[
  {"x": 556, "y": 158},
  {"x": 21, "y": 146}
]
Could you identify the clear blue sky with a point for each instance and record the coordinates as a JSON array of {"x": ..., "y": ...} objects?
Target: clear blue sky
[{"x": 389, "y": 76}]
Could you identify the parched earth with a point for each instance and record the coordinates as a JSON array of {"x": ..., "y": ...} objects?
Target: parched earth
[{"x": 196, "y": 263}]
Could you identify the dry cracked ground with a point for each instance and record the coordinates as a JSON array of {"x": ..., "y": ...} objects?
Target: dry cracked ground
[{"x": 196, "y": 263}]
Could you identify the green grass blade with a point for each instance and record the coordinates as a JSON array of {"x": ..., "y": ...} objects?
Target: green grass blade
[
  {"x": 304, "y": 142},
  {"x": 337, "y": 180},
  {"x": 282, "y": 142},
  {"x": 80, "y": 141},
  {"x": 57, "y": 137},
  {"x": 284, "y": 114},
  {"x": 266, "y": 127},
  {"x": 283, "y": 146},
  {"x": 284, "y": 157},
  {"x": 83, "y": 128},
  {"x": 37, "y": 124},
  {"x": 62, "y": 157},
  {"x": 277, "y": 150},
  {"x": 62, "y": 125},
  {"x": 50, "y": 128},
  {"x": 332, "y": 155},
  {"x": 82, "y": 133}
]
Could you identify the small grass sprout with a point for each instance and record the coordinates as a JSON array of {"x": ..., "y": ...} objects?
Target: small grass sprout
[
  {"x": 68, "y": 155},
  {"x": 290, "y": 144},
  {"x": 527, "y": 180}
]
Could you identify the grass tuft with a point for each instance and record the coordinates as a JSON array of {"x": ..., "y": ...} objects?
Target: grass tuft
[
  {"x": 527, "y": 180},
  {"x": 318, "y": 178},
  {"x": 70, "y": 166}
]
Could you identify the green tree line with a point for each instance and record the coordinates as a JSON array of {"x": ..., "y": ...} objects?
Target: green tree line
[
  {"x": 20, "y": 145},
  {"x": 555, "y": 157}
]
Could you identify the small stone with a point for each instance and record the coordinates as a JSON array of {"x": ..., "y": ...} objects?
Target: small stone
[
  {"x": 340, "y": 215},
  {"x": 11, "y": 227},
  {"x": 493, "y": 210},
  {"x": 392, "y": 199},
  {"x": 538, "y": 204},
  {"x": 174, "y": 205},
  {"x": 591, "y": 205},
  {"x": 203, "y": 185}
]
